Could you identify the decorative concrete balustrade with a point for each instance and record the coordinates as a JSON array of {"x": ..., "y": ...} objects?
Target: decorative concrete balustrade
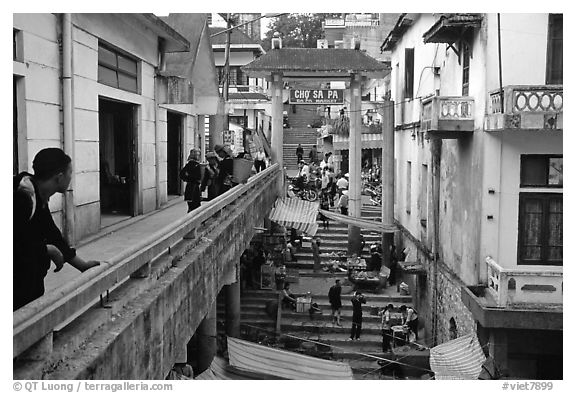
[
  {"x": 528, "y": 286},
  {"x": 447, "y": 117},
  {"x": 526, "y": 107}
]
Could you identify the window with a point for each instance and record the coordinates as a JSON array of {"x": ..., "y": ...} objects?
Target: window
[
  {"x": 423, "y": 202},
  {"x": 15, "y": 49},
  {"x": 541, "y": 171},
  {"x": 540, "y": 229},
  {"x": 465, "y": 68},
  {"x": 117, "y": 70},
  {"x": 15, "y": 165},
  {"x": 554, "y": 61},
  {"x": 408, "y": 186},
  {"x": 408, "y": 72}
]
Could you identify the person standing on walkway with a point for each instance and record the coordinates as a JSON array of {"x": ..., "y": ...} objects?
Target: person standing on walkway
[
  {"x": 393, "y": 265},
  {"x": 36, "y": 239},
  {"x": 210, "y": 179},
  {"x": 342, "y": 184},
  {"x": 386, "y": 315},
  {"x": 192, "y": 175},
  {"x": 316, "y": 253},
  {"x": 357, "y": 301},
  {"x": 335, "y": 299},
  {"x": 313, "y": 155},
  {"x": 260, "y": 160},
  {"x": 226, "y": 168},
  {"x": 343, "y": 203},
  {"x": 299, "y": 153},
  {"x": 410, "y": 319}
]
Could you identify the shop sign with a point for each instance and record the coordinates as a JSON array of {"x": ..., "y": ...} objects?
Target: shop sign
[{"x": 316, "y": 96}]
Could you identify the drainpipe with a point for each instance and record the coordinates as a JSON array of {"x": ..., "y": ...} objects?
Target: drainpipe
[
  {"x": 68, "y": 145},
  {"x": 158, "y": 128},
  {"x": 500, "y": 67}
]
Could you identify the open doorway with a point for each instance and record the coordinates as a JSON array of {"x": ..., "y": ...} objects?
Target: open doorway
[
  {"x": 174, "y": 153},
  {"x": 117, "y": 161}
]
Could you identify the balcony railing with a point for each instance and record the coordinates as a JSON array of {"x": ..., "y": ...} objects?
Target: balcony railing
[
  {"x": 526, "y": 107},
  {"x": 447, "y": 116},
  {"x": 523, "y": 286}
]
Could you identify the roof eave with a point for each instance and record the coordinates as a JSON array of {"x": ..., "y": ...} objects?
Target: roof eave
[
  {"x": 174, "y": 41},
  {"x": 443, "y": 31}
]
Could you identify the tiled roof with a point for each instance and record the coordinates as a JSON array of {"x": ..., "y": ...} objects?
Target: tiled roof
[
  {"x": 448, "y": 27},
  {"x": 236, "y": 37},
  {"x": 305, "y": 59}
]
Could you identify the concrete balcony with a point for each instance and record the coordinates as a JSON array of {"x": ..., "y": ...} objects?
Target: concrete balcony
[
  {"x": 520, "y": 298},
  {"x": 526, "y": 107},
  {"x": 511, "y": 287},
  {"x": 447, "y": 117}
]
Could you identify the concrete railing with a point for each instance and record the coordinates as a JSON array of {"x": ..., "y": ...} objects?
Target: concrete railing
[
  {"x": 528, "y": 98},
  {"x": 440, "y": 113},
  {"x": 38, "y": 319},
  {"x": 523, "y": 286}
]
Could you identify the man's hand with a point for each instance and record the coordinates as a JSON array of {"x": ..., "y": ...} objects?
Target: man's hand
[
  {"x": 56, "y": 256},
  {"x": 83, "y": 265}
]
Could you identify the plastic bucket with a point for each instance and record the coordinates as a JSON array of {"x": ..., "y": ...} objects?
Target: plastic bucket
[{"x": 242, "y": 170}]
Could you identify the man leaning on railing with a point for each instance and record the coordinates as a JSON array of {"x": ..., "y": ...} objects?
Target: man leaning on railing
[{"x": 37, "y": 240}]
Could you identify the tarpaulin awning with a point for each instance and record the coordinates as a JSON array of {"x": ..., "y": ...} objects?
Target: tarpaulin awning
[
  {"x": 220, "y": 370},
  {"x": 285, "y": 364},
  {"x": 360, "y": 222},
  {"x": 461, "y": 358},
  {"x": 369, "y": 141},
  {"x": 296, "y": 213}
]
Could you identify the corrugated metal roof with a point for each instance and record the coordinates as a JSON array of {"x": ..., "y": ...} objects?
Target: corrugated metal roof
[{"x": 308, "y": 59}]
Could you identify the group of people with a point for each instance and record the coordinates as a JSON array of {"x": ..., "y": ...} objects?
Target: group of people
[
  {"x": 216, "y": 176},
  {"x": 409, "y": 321}
]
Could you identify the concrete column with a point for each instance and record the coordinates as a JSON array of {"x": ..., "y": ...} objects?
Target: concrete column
[
  {"x": 277, "y": 130},
  {"x": 387, "y": 176},
  {"x": 355, "y": 165},
  {"x": 206, "y": 341},
  {"x": 233, "y": 309}
]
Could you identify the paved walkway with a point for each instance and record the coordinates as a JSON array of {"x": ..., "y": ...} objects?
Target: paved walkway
[{"x": 113, "y": 239}]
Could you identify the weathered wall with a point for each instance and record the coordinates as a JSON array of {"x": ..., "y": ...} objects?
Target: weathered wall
[{"x": 156, "y": 316}]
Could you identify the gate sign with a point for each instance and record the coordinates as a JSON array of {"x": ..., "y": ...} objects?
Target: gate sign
[{"x": 316, "y": 96}]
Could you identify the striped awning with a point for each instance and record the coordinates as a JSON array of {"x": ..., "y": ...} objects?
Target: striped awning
[
  {"x": 284, "y": 364},
  {"x": 369, "y": 141},
  {"x": 296, "y": 213},
  {"x": 461, "y": 358},
  {"x": 360, "y": 222},
  {"x": 220, "y": 370}
]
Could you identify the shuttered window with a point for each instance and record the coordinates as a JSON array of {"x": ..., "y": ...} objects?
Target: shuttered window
[
  {"x": 409, "y": 73},
  {"x": 540, "y": 229},
  {"x": 554, "y": 68},
  {"x": 116, "y": 69}
]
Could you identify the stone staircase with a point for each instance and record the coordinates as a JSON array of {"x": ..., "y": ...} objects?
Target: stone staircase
[
  {"x": 301, "y": 330},
  {"x": 292, "y": 137}
]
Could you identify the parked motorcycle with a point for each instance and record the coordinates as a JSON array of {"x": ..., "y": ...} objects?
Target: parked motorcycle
[{"x": 307, "y": 192}]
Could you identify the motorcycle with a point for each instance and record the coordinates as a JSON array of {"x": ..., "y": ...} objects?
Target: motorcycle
[{"x": 307, "y": 193}]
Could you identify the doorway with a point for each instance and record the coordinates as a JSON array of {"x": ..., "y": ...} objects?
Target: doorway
[
  {"x": 174, "y": 153},
  {"x": 118, "y": 172}
]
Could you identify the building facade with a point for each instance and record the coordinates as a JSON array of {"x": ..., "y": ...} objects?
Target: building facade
[
  {"x": 479, "y": 180},
  {"x": 101, "y": 96}
]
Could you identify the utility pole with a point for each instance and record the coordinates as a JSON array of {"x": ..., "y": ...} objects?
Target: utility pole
[
  {"x": 387, "y": 177},
  {"x": 227, "y": 70}
]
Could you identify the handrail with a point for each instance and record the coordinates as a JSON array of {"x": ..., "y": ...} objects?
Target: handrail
[{"x": 38, "y": 318}]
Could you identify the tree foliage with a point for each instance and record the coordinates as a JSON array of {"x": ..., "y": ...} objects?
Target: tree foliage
[{"x": 297, "y": 30}]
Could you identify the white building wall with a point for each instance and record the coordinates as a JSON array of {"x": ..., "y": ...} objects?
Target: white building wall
[{"x": 41, "y": 91}]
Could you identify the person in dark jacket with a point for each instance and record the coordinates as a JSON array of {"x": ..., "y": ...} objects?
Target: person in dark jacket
[
  {"x": 335, "y": 299},
  {"x": 192, "y": 175},
  {"x": 357, "y": 301},
  {"x": 226, "y": 168},
  {"x": 210, "y": 178},
  {"x": 36, "y": 239},
  {"x": 393, "y": 265},
  {"x": 299, "y": 153}
]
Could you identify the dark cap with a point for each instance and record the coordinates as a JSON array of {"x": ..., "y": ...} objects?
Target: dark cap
[{"x": 49, "y": 162}]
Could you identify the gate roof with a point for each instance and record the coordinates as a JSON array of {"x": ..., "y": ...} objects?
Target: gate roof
[{"x": 316, "y": 63}]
